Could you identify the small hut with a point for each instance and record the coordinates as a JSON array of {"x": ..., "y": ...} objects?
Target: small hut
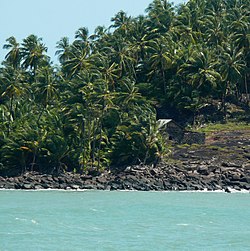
[{"x": 178, "y": 134}]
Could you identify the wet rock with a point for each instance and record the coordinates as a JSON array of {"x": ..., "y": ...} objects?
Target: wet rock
[
  {"x": 45, "y": 185},
  {"x": 9, "y": 185},
  {"x": 75, "y": 187},
  {"x": 88, "y": 186},
  {"x": 107, "y": 187},
  {"x": 62, "y": 186},
  {"x": 38, "y": 187},
  {"x": 28, "y": 186}
]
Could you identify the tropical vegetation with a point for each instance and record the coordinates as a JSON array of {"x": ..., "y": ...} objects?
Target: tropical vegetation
[{"x": 97, "y": 108}]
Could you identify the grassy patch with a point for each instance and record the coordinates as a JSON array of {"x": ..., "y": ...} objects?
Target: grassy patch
[{"x": 230, "y": 126}]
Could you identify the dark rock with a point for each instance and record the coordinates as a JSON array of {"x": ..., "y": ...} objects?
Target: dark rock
[
  {"x": 236, "y": 176},
  {"x": 247, "y": 156},
  {"x": 245, "y": 179},
  {"x": 62, "y": 180},
  {"x": 86, "y": 177},
  {"x": 94, "y": 171},
  {"x": 55, "y": 179},
  {"x": 102, "y": 180},
  {"x": 128, "y": 169},
  {"x": 18, "y": 185},
  {"x": 75, "y": 187},
  {"x": 107, "y": 187},
  {"x": 9, "y": 185},
  {"x": 62, "y": 186},
  {"x": 246, "y": 186},
  {"x": 38, "y": 187},
  {"x": 100, "y": 187},
  {"x": 88, "y": 186},
  {"x": 203, "y": 170},
  {"x": 28, "y": 186},
  {"x": 45, "y": 185},
  {"x": 49, "y": 178},
  {"x": 116, "y": 186},
  {"x": 230, "y": 164}
]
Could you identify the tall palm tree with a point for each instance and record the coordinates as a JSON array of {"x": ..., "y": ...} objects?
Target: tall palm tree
[
  {"x": 232, "y": 67},
  {"x": 13, "y": 57},
  {"x": 11, "y": 81},
  {"x": 121, "y": 22},
  {"x": 63, "y": 50},
  {"x": 160, "y": 14},
  {"x": 160, "y": 59},
  {"x": 33, "y": 53}
]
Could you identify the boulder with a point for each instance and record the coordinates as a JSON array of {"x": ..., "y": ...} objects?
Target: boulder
[
  {"x": 203, "y": 169},
  {"x": 28, "y": 186}
]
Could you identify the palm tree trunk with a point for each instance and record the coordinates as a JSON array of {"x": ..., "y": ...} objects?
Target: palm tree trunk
[
  {"x": 33, "y": 161},
  {"x": 10, "y": 114}
]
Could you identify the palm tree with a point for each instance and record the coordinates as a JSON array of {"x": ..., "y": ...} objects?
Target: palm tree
[
  {"x": 78, "y": 60},
  {"x": 63, "y": 51},
  {"x": 13, "y": 57},
  {"x": 11, "y": 81},
  {"x": 140, "y": 38},
  {"x": 121, "y": 22},
  {"x": 160, "y": 59},
  {"x": 160, "y": 14},
  {"x": 33, "y": 53},
  {"x": 122, "y": 55},
  {"x": 46, "y": 88},
  {"x": 232, "y": 68},
  {"x": 199, "y": 72}
]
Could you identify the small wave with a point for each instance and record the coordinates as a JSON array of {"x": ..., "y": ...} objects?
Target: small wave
[
  {"x": 17, "y": 233},
  {"x": 20, "y": 219},
  {"x": 34, "y": 222},
  {"x": 182, "y": 224}
]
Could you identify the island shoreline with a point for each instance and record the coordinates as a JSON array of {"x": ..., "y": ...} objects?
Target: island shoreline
[{"x": 136, "y": 178}]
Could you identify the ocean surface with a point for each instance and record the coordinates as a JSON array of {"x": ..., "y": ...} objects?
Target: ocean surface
[{"x": 102, "y": 220}]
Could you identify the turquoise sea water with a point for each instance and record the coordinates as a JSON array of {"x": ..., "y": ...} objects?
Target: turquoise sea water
[{"x": 102, "y": 220}]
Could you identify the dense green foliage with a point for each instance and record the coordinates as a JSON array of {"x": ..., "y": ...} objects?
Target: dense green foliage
[{"x": 97, "y": 108}]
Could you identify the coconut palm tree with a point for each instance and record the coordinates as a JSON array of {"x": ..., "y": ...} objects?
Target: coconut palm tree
[
  {"x": 63, "y": 51},
  {"x": 232, "y": 68},
  {"x": 13, "y": 57},
  {"x": 33, "y": 53},
  {"x": 12, "y": 86}
]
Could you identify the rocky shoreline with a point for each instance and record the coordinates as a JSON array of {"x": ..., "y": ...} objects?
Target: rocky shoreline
[
  {"x": 141, "y": 178},
  {"x": 223, "y": 163}
]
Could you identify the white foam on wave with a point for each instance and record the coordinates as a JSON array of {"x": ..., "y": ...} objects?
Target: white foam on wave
[
  {"x": 20, "y": 219},
  {"x": 182, "y": 224},
  {"x": 23, "y": 219},
  {"x": 34, "y": 222},
  {"x": 151, "y": 191}
]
